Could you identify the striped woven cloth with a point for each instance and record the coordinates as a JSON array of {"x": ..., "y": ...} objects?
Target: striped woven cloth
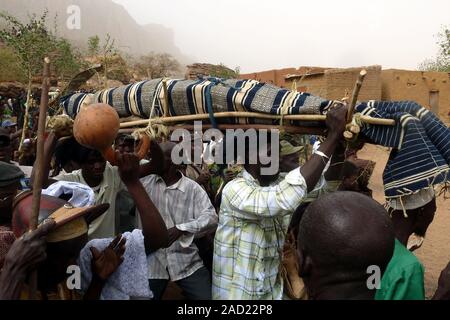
[
  {"x": 192, "y": 96},
  {"x": 420, "y": 141},
  {"x": 420, "y": 156}
]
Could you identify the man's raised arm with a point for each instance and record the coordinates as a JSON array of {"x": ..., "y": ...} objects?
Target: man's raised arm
[
  {"x": 313, "y": 168},
  {"x": 156, "y": 165},
  {"x": 153, "y": 226}
]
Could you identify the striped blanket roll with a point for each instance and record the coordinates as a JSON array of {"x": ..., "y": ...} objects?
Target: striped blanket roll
[
  {"x": 420, "y": 141},
  {"x": 421, "y": 146},
  {"x": 191, "y": 97}
]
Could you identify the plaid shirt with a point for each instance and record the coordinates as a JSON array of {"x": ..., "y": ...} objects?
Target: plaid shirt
[
  {"x": 253, "y": 221},
  {"x": 184, "y": 205}
]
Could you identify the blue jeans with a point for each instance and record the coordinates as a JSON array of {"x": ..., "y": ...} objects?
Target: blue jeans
[{"x": 195, "y": 287}]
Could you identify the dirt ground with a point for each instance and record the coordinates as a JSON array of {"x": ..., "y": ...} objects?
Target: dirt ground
[{"x": 435, "y": 251}]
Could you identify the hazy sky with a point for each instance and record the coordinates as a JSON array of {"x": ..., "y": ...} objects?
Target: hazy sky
[{"x": 270, "y": 34}]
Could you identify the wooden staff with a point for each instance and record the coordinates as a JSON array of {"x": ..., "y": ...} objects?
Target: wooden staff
[
  {"x": 355, "y": 94},
  {"x": 38, "y": 177},
  {"x": 351, "y": 130}
]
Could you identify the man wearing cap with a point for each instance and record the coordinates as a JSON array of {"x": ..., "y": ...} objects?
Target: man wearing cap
[
  {"x": 9, "y": 125},
  {"x": 98, "y": 260},
  {"x": 10, "y": 177},
  {"x": 14, "y": 134},
  {"x": 5, "y": 146},
  {"x": 289, "y": 155},
  {"x": 6, "y": 152}
]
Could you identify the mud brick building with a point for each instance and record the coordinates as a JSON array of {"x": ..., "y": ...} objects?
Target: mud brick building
[{"x": 430, "y": 89}]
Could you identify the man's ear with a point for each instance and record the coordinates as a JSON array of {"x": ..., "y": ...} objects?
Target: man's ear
[{"x": 304, "y": 263}]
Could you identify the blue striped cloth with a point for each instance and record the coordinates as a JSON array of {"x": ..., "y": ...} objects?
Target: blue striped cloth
[
  {"x": 421, "y": 146},
  {"x": 421, "y": 153},
  {"x": 198, "y": 96}
]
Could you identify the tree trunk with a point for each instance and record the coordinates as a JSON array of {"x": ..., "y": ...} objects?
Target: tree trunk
[
  {"x": 27, "y": 111},
  {"x": 105, "y": 61}
]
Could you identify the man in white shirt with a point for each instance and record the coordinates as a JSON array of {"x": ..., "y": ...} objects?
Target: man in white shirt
[
  {"x": 188, "y": 213},
  {"x": 105, "y": 181},
  {"x": 100, "y": 176}
]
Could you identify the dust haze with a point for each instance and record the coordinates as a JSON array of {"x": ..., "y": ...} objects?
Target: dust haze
[{"x": 261, "y": 34}]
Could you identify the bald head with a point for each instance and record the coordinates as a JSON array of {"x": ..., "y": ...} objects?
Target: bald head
[{"x": 346, "y": 232}]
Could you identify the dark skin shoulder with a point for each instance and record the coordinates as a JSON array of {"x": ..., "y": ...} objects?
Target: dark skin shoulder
[{"x": 443, "y": 290}]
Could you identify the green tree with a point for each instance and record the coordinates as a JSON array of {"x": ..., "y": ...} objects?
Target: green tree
[
  {"x": 10, "y": 69},
  {"x": 157, "y": 65},
  {"x": 31, "y": 42},
  {"x": 222, "y": 71},
  {"x": 94, "y": 45},
  {"x": 442, "y": 61},
  {"x": 114, "y": 62},
  {"x": 67, "y": 60},
  {"x": 118, "y": 68},
  {"x": 108, "y": 52}
]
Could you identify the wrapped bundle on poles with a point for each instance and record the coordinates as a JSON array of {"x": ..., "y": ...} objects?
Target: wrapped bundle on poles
[
  {"x": 218, "y": 102},
  {"x": 404, "y": 126}
]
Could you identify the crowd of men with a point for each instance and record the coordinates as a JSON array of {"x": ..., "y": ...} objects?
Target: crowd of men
[{"x": 216, "y": 232}]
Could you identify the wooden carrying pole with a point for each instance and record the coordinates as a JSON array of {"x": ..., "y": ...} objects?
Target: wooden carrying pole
[
  {"x": 238, "y": 114},
  {"x": 38, "y": 177},
  {"x": 290, "y": 129}
]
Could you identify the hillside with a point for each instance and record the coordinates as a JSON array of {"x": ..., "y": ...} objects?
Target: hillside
[{"x": 100, "y": 17}]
